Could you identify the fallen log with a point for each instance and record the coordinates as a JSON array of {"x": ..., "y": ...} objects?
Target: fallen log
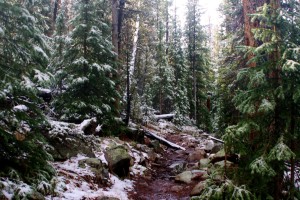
[
  {"x": 164, "y": 116},
  {"x": 163, "y": 140},
  {"x": 216, "y": 139}
]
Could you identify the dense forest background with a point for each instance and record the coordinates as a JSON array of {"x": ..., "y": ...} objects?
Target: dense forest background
[{"x": 125, "y": 60}]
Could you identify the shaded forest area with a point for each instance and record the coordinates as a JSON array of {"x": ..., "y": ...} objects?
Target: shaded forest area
[{"x": 128, "y": 61}]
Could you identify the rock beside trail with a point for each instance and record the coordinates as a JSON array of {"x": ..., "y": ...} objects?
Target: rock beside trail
[
  {"x": 185, "y": 177},
  {"x": 217, "y": 147},
  {"x": 197, "y": 190},
  {"x": 118, "y": 160},
  {"x": 98, "y": 168},
  {"x": 188, "y": 176},
  {"x": 67, "y": 146},
  {"x": 196, "y": 155},
  {"x": 66, "y": 141},
  {"x": 204, "y": 163},
  {"x": 176, "y": 188},
  {"x": 177, "y": 167}
]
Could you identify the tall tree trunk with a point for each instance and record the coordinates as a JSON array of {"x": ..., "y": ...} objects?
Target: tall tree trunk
[
  {"x": 132, "y": 65},
  {"x": 194, "y": 64},
  {"x": 120, "y": 22},
  {"x": 249, "y": 7},
  {"x": 167, "y": 28},
  {"x": 57, "y": 4},
  {"x": 116, "y": 50}
]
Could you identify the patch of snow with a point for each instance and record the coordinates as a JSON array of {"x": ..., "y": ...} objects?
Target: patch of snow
[
  {"x": 40, "y": 76},
  {"x": 86, "y": 123},
  {"x": 43, "y": 90},
  {"x": 40, "y": 51},
  {"x": 7, "y": 195},
  {"x": 98, "y": 128},
  {"x": 71, "y": 165},
  {"x": 1, "y": 32},
  {"x": 10, "y": 188},
  {"x": 71, "y": 184},
  {"x": 27, "y": 82},
  {"x": 119, "y": 188},
  {"x": 62, "y": 128},
  {"x": 20, "y": 108}
]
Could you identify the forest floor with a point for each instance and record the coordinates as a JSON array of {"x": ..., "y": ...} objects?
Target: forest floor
[{"x": 156, "y": 171}]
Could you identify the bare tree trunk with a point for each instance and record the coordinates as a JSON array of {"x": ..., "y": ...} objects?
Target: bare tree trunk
[
  {"x": 194, "y": 65},
  {"x": 120, "y": 22},
  {"x": 167, "y": 28},
  {"x": 116, "y": 50},
  {"x": 57, "y": 4}
]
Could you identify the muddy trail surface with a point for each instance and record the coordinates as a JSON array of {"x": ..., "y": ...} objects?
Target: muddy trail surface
[{"x": 159, "y": 182}]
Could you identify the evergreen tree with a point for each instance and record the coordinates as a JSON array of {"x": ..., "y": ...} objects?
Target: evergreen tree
[
  {"x": 230, "y": 61},
  {"x": 264, "y": 97},
  {"x": 164, "y": 75},
  {"x": 89, "y": 65},
  {"x": 178, "y": 63},
  {"x": 22, "y": 50},
  {"x": 59, "y": 44},
  {"x": 198, "y": 63}
]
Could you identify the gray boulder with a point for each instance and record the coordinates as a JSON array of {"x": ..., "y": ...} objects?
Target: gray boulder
[
  {"x": 67, "y": 146},
  {"x": 118, "y": 160}
]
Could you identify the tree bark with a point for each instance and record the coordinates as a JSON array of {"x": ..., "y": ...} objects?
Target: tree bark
[
  {"x": 249, "y": 7},
  {"x": 132, "y": 65}
]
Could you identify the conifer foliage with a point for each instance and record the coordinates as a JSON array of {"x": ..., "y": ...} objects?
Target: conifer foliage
[
  {"x": 265, "y": 96},
  {"x": 23, "y": 49},
  {"x": 88, "y": 64}
]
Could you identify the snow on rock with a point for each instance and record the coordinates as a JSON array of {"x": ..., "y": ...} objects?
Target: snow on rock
[
  {"x": 21, "y": 108},
  {"x": 61, "y": 128},
  {"x": 88, "y": 122},
  {"x": 72, "y": 182}
]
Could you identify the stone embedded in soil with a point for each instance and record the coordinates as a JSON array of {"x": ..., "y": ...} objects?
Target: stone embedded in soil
[
  {"x": 176, "y": 188},
  {"x": 185, "y": 177},
  {"x": 204, "y": 163},
  {"x": 196, "y": 155},
  {"x": 197, "y": 190},
  {"x": 98, "y": 168},
  {"x": 177, "y": 167}
]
